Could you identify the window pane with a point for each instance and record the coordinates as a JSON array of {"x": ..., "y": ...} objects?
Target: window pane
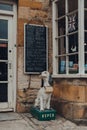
[
  {"x": 73, "y": 64},
  {"x": 62, "y": 65},
  {"x": 85, "y": 43},
  {"x": 72, "y": 5},
  {"x": 73, "y": 22},
  {"x": 3, "y": 71},
  {"x": 85, "y": 20},
  {"x": 85, "y": 47},
  {"x": 73, "y": 43},
  {"x": 3, "y": 50},
  {"x": 6, "y": 7},
  {"x": 61, "y": 8},
  {"x": 61, "y": 46},
  {"x": 3, "y": 92},
  {"x": 61, "y": 27},
  {"x": 3, "y": 29},
  {"x": 85, "y": 62},
  {"x": 85, "y": 3}
]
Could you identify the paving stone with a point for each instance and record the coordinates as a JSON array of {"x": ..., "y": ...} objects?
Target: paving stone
[
  {"x": 26, "y": 121},
  {"x": 9, "y": 116},
  {"x": 82, "y": 127},
  {"x": 69, "y": 124}
]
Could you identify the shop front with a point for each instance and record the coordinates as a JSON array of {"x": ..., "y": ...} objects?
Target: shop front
[
  {"x": 70, "y": 57},
  {"x": 21, "y": 21}
]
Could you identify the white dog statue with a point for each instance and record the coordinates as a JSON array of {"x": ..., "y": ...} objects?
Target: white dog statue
[{"x": 44, "y": 95}]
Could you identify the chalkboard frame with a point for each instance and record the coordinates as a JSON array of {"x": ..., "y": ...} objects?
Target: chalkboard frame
[{"x": 29, "y": 72}]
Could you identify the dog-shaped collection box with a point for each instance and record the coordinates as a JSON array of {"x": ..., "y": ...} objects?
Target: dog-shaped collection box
[
  {"x": 44, "y": 94},
  {"x": 41, "y": 109}
]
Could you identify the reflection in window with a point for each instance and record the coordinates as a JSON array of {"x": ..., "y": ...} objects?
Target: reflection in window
[
  {"x": 61, "y": 8},
  {"x": 72, "y": 5},
  {"x": 7, "y": 7}
]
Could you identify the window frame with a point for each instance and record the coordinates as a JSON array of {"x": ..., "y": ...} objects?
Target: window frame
[{"x": 81, "y": 30}]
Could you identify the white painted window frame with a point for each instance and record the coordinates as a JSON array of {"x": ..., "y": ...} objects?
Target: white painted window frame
[{"x": 80, "y": 40}]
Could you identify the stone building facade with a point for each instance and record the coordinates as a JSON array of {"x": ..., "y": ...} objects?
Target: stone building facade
[{"x": 20, "y": 89}]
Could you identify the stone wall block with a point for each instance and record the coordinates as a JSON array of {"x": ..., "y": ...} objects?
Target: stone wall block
[
  {"x": 69, "y": 92},
  {"x": 31, "y": 4}
]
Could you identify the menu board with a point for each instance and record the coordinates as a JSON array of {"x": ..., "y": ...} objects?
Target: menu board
[{"x": 35, "y": 48}]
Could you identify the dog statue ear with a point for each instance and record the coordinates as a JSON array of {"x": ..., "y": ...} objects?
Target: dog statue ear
[
  {"x": 42, "y": 83},
  {"x": 50, "y": 80}
]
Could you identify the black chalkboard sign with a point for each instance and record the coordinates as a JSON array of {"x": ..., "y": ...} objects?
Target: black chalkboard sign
[{"x": 35, "y": 48}]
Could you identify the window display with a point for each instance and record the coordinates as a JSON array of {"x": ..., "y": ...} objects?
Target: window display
[{"x": 70, "y": 40}]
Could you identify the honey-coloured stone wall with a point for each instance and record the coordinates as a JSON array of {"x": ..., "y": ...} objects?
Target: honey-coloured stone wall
[
  {"x": 70, "y": 98},
  {"x": 31, "y": 12},
  {"x": 70, "y": 94}
]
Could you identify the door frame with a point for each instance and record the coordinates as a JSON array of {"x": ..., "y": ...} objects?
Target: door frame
[{"x": 13, "y": 14}]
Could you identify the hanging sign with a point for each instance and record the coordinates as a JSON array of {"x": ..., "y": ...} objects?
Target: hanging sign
[{"x": 72, "y": 23}]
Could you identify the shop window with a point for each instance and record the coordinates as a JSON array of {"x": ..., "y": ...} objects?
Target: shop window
[{"x": 69, "y": 41}]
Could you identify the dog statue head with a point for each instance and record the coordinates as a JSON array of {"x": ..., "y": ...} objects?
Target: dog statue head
[
  {"x": 46, "y": 78},
  {"x": 45, "y": 75},
  {"x": 44, "y": 94}
]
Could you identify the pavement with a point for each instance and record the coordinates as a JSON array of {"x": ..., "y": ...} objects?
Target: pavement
[{"x": 25, "y": 121}]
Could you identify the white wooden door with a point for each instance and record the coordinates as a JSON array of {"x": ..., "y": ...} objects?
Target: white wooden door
[{"x": 6, "y": 63}]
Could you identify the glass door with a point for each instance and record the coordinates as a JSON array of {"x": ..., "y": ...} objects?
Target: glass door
[{"x": 5, "y": 62}]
